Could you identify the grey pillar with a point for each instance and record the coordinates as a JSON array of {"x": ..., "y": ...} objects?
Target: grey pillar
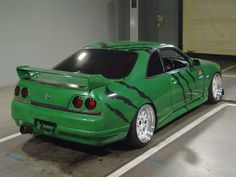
[{"x": 134, "y": 20}]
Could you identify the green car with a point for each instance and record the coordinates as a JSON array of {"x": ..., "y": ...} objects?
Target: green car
[{"x": 109, "y": 92}]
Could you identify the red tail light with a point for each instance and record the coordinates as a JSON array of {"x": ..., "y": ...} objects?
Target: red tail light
[
  {"x": 24, "y": 92},
  {"x": 77, "y": 102},
  {"x": 17, "y": 91},
  {"x": 90, "y": 103}
]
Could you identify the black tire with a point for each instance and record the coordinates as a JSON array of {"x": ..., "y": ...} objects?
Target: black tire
[
  {"x": 132, "y": 138},
  {"x": 211, "y": 98}
]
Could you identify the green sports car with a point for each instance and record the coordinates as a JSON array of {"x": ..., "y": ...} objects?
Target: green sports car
[{"x": 108, "y": 92}]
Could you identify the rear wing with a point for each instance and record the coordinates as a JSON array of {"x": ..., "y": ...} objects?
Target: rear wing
[{"x": 62, "y": 78}]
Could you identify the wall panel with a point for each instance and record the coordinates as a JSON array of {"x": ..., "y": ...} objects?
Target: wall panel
[{"x": 209, "y": 26}]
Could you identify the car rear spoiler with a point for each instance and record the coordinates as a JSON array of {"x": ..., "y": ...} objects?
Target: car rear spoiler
[{"x": 62, "y": 78}]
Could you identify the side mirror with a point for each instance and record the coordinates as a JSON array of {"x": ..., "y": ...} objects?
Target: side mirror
[{"x": 196, "y": 62}]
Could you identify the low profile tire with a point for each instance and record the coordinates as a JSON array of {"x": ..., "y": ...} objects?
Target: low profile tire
[
  {"x": 142, "y": 127},
  {"x": 215, "y": 89}
]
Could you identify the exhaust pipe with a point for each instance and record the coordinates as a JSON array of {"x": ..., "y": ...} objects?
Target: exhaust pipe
[{"x": 24, "y": 129}]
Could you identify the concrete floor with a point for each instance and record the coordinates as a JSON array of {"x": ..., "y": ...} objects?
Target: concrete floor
[
  {"x": 229, "y": 81},
  {"x": 7, "y": 126},
  {"x": 201, "y": 152},
  {"x": 207, "y": 150}
]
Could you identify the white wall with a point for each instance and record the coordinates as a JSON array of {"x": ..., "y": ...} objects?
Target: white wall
[{"x": 41, "y": 33}]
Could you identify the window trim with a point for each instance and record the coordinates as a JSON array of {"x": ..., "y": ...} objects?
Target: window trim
[
  {"x": 188, "y": 59},
  {"x": 149, "y": 58}
]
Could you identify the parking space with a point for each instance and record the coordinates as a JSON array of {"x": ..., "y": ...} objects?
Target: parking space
[{"x": 43, "y": 156}]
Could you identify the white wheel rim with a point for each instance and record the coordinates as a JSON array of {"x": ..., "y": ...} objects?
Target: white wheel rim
[
  {"x": 217, "y": 87},
  {"x": 145, "y": 123}
]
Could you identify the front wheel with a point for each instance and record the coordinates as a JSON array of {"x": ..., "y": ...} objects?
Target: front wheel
[
  {"x": 142, "y": 127},
  {"x": 215, "y": 89}
]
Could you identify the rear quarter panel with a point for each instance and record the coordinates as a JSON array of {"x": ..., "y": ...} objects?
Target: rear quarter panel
[{"x": 117, "y": 103}]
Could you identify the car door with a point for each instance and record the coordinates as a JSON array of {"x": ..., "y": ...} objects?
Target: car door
[
  {"x": 157, "y": 85},
  {"x": 194, "y": 75},
  {"x": 184, "y": 83}
]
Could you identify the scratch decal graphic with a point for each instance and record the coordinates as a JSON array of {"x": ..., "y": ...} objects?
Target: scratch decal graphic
[
  {"x": 103, "y": 44},
  {"x": 119, "y": 97},
  {"x": 147, "y": 48},
  {"x": 191, "y": 76},
  {"x": 138, "y": 47},
  {"x": 144, "y": 49},
  {"x": 182, "y": 88},
  {"x": 142, "y": 94},
  {"x": 117, "y": 112},
  {"x": 186, "y": 83},
  {"x": 132, "y": 45}
]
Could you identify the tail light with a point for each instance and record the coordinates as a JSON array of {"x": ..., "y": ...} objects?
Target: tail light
[
  {"x": 77, "y": 102},
  {"x": 90, "y": 103},
  {"x": 17, "y": 91},
  {"x": 24, "y": 92}
]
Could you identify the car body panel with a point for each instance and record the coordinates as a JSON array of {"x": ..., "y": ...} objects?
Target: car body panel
[{"x": 51, "y": 93}]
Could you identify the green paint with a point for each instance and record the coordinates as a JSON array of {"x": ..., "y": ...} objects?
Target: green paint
[{"x": 117, "y": 100}]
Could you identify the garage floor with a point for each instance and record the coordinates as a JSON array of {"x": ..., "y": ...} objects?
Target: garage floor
[{"x": 206, "y": 150}]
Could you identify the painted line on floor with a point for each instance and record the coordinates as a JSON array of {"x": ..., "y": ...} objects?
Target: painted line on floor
[
  {"x": 167, "y": 141},
  {"x": 228, "y": 68},
  {"x": 2, "y": 140},
  {"x": 226, "y": 75}
]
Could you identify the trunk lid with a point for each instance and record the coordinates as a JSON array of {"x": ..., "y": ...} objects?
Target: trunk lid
[{"x": 58, "y": 88}]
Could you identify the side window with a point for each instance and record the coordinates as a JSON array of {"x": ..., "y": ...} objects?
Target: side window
[
  {"x": 154, "y": 65},
  {"x": 172, "y": 60},
  {"x": 171, "y": 54}
]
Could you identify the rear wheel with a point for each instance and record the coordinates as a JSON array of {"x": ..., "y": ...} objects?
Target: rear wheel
[
  {"x": 142, "y": 127},
  {"x": 215, "y": 89}
]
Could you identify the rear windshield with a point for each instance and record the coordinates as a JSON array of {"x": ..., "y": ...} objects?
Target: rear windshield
[{"x": 112, "y": 64}]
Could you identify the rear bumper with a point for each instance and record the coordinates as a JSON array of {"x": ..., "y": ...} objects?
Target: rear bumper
[{"x": 80, "y": 128}]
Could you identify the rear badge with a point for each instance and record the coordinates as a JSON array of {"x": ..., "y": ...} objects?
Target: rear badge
[{"x": 47, "y": 97}]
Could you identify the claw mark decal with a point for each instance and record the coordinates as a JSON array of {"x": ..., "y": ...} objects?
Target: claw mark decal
[
  {"x": 177, "y": 79},
  {"x": 149, "y": 51},
  {"x": 191, "y": 76},
  {"x": 146, "y": 49},
  {"x": 131, "y": 45},
  {"x": 103, "y": 44},
  {"x": 186, "y": 83},
  {"x": 136, "y": 89},
  {"x": 112, "y": 95},
  {"x": 117, "y": 112},
  {"x": 135, "y": 47}
]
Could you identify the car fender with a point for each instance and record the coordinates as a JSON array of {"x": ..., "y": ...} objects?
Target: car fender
[{"x": 209, "y": 69}]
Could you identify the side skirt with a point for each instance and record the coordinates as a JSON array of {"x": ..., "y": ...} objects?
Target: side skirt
[{"x": 181, "y": 111}]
